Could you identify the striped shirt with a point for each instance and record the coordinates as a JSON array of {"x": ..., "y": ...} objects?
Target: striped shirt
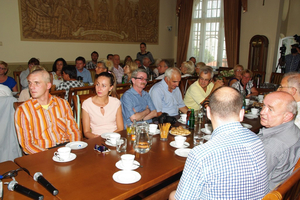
[
  {"x": 39, "y": 128},
  {"x": 232, "y": 165}
]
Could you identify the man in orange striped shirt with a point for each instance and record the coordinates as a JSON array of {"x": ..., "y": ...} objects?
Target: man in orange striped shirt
[{"x": 44, "y": 121}]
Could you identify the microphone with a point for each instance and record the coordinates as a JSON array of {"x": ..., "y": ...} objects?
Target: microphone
[
  {"x": 14, "y": 186},
  {"x": 38, "y": 176}
]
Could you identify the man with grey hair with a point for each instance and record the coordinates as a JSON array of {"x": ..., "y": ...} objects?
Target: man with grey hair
[
  {"x": 291, "y": 84},
  {"x": 44, "y": 121},
  {"x": 201, "y": 89},
  {"x": 137, "y": 103},
  {"x": 146, "y": 66},
  {"x": 280, "y": 136},
  {"x": 232, "y": 165},
  {"x": 166, "y": 95},
  {"x": 162, "y": 66}
]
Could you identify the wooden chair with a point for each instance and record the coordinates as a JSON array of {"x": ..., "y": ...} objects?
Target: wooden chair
[
  {"x": 120, "y": 92},
  {"x": 185, "y": 84},
  {"x": 17, "y": 104},
  {"x": 289, "y": 189},
  {"x": 78, "y": 100},
  {"x": 58, "y": 93},
  {"x": 123, "y": 86},
  {"x": 276, "y": 78},
  {"x": 17, "y": 79},
  {"x": 258, "y": 73},
  {"x": 80, "y": 91}
]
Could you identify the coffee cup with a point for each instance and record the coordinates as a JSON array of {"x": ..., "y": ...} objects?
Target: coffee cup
[
  {"x": 127, "y": 160},
  {"x": 260, "y": 97},
  {"x": 63, "y": 153},
  {"x": 113, "y": 137},
  {"x": 153, "y": 128},
  {"x": 247, "y": 101},
  {"x": 254, "y": 111},
  {"x": 183, "y": 118},
  {"x": 179, "y": 140}
]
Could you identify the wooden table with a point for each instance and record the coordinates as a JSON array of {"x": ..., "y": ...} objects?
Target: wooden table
[
  {"x": 23, "y": 179},
  {"x": 89, "y": 176}
]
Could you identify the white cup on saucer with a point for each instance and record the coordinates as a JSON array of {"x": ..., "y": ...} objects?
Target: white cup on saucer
[
  {"x": 153, "y": 128},
  {"x": 254, "y": 111},
  {"x": 63, "y": 153},
  {"x": 113, "y": 137},
  {"x": 183, "y": 118},
  {"x": 208, "y": 128},
  {"x": 260, "y": 97},
  {"x": 127, "y": 160},
  {"x": 179, "y": 140}
]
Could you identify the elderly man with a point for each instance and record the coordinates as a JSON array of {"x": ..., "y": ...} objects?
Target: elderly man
[
  {"x": 136, "y": 103},
  {"x": 117, "y": 69},
  {"x": 166, "y": 95},
  {"x": 44, "y": 121},
  {"x": 23, "y": 76},
  {"x": 200, "y": 90},
  {"x": 245, "y": 85},
  {"x": 232, "y": 164},
  {"x": 291, "y": 84},
  {"x": 146, "y": 64},
  {"x": 163, "y": 65},
  {"x": 82, "y": 71},
  {"x": 280, "y": 136},
  {"x": 92, "y": 64}
]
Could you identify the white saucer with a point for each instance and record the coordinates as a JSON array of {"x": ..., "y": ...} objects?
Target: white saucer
[
  {"x": 156, "y": 132},
  {"x": 181, "y": 121},
  {"x": 183, "y": 152},
  {"x": 72, "y": 157},
  {"x": 250, "y": 116},
  {"x": 126, "y": 177},
  {"x": 246, "y": 125},
  {"x": 106, "y": 135},
  {"x": 77, "y": 145},
  {"x": 186, "y": 144},
  {"x": 110, "y": 144},
  {"x": 204, "y": 131},
  {"x": 135, "y": 165},
  {"x": 206, "y": 137}
]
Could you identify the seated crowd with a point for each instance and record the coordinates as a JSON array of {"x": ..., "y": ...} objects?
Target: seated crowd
[{"x": 235, "y": 163}]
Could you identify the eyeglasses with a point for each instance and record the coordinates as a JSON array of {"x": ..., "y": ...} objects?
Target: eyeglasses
[
  {"x": 3, "y": 68},
  {"x": 206, "y": 80},
  {"x": 141, "y": 78},
  {"x": 280, "y": 86},
  {"x": 238, "y": 70}
]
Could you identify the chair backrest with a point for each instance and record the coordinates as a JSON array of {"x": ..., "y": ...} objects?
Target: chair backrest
[
  {"x": 276, "y": 78},
  {"x": 17, "y": 79},
  {"x": 258, "y": 73},
  {"x": 77, "y": 101},
  {"x": 80, "y": 91},
  {"x": 185, "y": 84},
  {"x": 93, "y": 73},
  {"x": 289, "y": 189},
  {"x": 58, "y": 93},
  {"x": 121, "y": 86}
]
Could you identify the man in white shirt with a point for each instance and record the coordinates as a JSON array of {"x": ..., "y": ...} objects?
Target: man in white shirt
[
  {"x": 117, "y": 69},
  {"x": 291, "y": 84}
]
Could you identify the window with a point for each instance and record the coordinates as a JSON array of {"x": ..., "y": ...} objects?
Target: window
[{"x": 207, "y": 40}]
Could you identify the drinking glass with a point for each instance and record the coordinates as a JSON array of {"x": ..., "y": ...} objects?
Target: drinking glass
[
  {"x": 198, "y": 137},
  {"x": 121, "y": 144},
  {"x": 129, "y": 128}
]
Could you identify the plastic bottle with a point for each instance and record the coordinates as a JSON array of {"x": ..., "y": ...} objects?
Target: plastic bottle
[{"x": 192, "y": 120}]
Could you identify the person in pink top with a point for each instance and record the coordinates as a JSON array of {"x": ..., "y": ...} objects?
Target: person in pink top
[{"x": 102, "y": 113}]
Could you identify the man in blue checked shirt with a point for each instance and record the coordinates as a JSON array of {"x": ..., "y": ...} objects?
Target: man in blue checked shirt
[{"x": 232, "y": 164}]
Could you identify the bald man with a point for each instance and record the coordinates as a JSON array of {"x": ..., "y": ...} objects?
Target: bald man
[
  {"x": 291, "y": 84},
  {"x": 44, "y": 121},
  {"x": 232, "y": 164},
  {"x": 280, "y": 136}
]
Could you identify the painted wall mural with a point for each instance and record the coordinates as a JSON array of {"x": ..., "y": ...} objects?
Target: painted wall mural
[{"x": 121, "y": 21}]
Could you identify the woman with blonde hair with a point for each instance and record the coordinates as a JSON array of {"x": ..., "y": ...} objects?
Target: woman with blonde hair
[
  {"x": 187, "y": 69},
  {"x": 128, "y": 69},
  {"x": 7, "y": 80},
  {"x": 238, "y": 69},
  {"x": 102, "y": 113}
]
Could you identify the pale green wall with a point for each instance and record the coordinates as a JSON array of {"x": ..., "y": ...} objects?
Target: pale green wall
[{"x": 13, "y": 50}]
